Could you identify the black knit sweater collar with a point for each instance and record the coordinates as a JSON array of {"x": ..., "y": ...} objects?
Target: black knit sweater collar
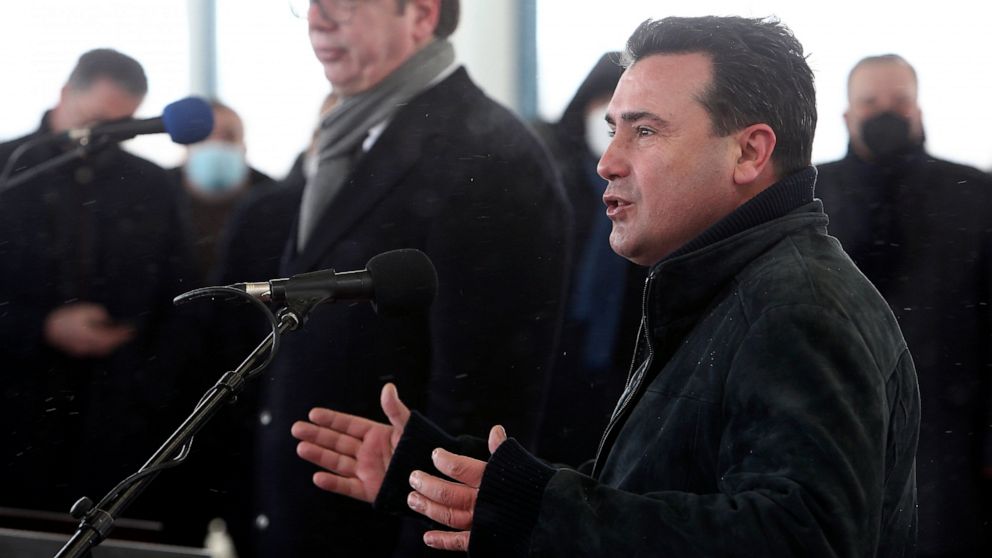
[{"x": 682, "y": 284}]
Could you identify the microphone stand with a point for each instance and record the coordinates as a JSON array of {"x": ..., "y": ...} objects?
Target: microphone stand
[
  {"x": 78, "y": 152},
  {"x": 97, "y": 521}
]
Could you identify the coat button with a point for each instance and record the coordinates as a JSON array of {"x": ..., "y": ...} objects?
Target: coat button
[
  {"x": 261, "y": 522},
  {"x": 265, "y": 418}
]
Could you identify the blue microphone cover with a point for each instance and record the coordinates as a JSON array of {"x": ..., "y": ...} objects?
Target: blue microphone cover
[{"x": 188, "y": 120}]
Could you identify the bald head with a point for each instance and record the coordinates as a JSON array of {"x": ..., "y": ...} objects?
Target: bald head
[{"x": 877, "y": 85}]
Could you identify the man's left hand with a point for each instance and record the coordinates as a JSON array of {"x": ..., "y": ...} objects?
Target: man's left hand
[{"x": 451, "y": 503}]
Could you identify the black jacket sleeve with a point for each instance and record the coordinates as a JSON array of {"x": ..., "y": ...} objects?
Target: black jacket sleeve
[
  {"x": 801, "y": 471},
  {"x": 413, "y": 453}
]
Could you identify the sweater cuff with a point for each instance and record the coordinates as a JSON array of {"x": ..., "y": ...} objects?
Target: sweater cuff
[
  {"x": 413, "y": 452},
  {"x": 509, "y": 502}
]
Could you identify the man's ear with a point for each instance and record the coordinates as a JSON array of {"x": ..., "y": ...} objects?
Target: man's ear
[
  {"x": 426, "y": 14},
  {"x": 756, "y": 143}
]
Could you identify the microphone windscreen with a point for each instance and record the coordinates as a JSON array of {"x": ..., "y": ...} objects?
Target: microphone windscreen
[
  {"x": 404, "y": 282},
  {"x": 188, "y": 120}
]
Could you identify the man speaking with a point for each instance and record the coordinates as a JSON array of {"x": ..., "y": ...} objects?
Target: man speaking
[{"x": 772, "y": 409}]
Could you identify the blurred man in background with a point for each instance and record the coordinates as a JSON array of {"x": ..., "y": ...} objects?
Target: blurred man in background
[
  {"x": 918, "y": 227},
  {"x": 92, "y": 254},
  {"x": 413, "y": 155},
  {"x": 215, "y": 177}
]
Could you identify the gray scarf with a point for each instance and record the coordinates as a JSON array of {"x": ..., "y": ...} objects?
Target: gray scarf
[{"x": 342, "y": 132}]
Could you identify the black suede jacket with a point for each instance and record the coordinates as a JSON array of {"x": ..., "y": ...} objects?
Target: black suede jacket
[{"x": 772, "y": 410}]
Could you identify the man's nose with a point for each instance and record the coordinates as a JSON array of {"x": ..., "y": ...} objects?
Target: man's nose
[{"x": 613, "y": 164}]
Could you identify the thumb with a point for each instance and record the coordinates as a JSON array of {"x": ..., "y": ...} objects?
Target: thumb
[
  {"x": 397, "y": 413},
  {"x": 497, "y": 435}
]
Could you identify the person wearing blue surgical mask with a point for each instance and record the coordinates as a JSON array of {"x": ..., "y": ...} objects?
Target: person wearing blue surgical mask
[
  {"x": 215, "y": 176},
  {"x": 216, "y": 168}
]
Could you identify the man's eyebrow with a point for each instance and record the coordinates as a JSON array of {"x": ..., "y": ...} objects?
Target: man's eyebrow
[{"x": 638, "y": 115}]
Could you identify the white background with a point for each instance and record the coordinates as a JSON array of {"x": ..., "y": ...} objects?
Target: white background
[
  {"x": 268, "y": 74},
  {"x": 949, "y": 43}
]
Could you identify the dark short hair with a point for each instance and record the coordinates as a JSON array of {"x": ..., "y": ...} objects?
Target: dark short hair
[
  {"x": 760, "y": 75},
  {"x": 105, "y": 63},
  {"x": 881, "y": 59},
  {"x": 447, "y": 20}
]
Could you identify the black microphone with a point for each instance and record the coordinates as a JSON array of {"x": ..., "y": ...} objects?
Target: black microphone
[
  {"x": 398, "y": 282},
  {"x": 186, "y": 121}
]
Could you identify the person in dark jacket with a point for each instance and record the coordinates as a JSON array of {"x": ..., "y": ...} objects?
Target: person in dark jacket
[
  {"x": 414, "y": 155},
  {"x": 603, "y": 309},
  {"x": 92, "y": 253},
  {"x": 918, "y": 227},
  {"x": 214, "y": 178},
  {"x": 773, "y": 406}
]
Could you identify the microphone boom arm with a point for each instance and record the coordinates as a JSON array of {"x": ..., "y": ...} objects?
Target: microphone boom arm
[{"x": 78, "y": 152}]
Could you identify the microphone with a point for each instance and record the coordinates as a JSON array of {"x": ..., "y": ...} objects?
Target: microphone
[
  {"x": 186, "y": 121},
  {"x": 398, "y": 282}
]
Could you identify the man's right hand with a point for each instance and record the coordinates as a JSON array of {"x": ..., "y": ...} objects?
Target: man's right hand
[
  {"x": 354, "y": 450},
  {"x": 85, "y": 330}
]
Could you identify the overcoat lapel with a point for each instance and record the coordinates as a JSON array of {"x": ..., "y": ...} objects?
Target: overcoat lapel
[
  {"x": 378, "y": 172},
  {"x": 374, "y": 176}
]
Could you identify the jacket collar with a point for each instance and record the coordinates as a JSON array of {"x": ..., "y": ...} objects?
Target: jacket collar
[
  {"x": 95, "y": 156},
  {"x": 681, "y": 286},
  {"x": 894, "y": 165}
]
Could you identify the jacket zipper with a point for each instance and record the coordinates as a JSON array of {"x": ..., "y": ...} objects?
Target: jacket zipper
[{"x": 633, "y": 381}]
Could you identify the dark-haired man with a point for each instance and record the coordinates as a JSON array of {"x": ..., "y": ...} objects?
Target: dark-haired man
[
  {"x": 91, "y": 254},
  {"x": 414, "y": 155},
  {"x": 918, "y": 227},
  {"x": 772, "y": 406}
]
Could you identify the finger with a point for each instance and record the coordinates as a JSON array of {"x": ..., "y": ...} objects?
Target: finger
[
  {"x": 331, "y": 460},
  {"x": 465, "y": 469},
  {"x": 443, "y": 492},
  {"x": 497, "y": 435},
  {"x": 346, "y": 486},
  {"x": 92, "y": 313},
  {"x": 325, "y": 438},
  {"x": 112, "y": 337},
  {"x": 445, "y": 540},
  {"x": 341, "y": 422},
  {"x": 445, "y": 515},
  {"x": 103, "y": 341},
  {"x": 396, "y": 411}
]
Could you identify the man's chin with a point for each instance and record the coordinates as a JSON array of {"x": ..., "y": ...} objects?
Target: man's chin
[{"x": 623, "y": 250}]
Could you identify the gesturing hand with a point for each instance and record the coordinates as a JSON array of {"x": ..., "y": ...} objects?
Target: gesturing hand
[
  {"x": 451, "y": 503},
  {"x": 354, "y": 450}
]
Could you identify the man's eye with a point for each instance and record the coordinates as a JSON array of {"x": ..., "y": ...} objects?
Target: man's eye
[
  {"x": 644, "y": 131},
  {"x": 611, "y": 133}
]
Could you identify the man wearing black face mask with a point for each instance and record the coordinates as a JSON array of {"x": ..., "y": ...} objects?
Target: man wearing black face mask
[{"x": 918, "y": 228}]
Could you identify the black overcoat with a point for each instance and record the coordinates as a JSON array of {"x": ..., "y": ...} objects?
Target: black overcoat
[
  {"x": 454, "y": 175},
  {"x": 920, "y": 231},
  {"x": 107, "y": 229}
]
